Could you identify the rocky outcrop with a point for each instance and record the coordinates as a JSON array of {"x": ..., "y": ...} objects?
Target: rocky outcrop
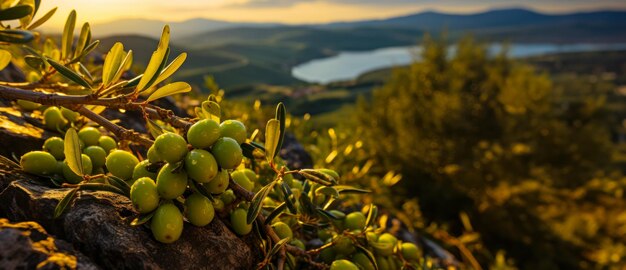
[{"x": 98, "y": 225}]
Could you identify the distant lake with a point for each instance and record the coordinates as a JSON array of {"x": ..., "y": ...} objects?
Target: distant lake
[{"x": 349, "y": 65}]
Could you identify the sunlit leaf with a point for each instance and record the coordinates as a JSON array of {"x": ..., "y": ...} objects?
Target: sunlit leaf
[
  {"x": 211, "y": 110},
  {"x": 72, "y": 152},
  {"x": 68, "y": 35},
  {"x": 69, "y": 74},
  {"x": 330, "y": 191},
  {"x": 112, "y": 63},
  {"x": 171, "y": 68},
  {"x": 60, "y": 208},
  {"x": 350, "y": 189},
  {"x": 156, "y": 61},
  {"x": 16, "y": 12},
  {"x": 280, "y": 116},
  {"x": 5, "y": 59},
  {"x": 272, "y": 136},
  {"x": 83, "y": 39},
  {"x": 170, "y": 89},
  {"x": 42, "y": 20},
  {"x": 371, "y": 215}
]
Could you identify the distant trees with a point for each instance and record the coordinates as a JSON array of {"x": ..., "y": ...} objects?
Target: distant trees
[{"x": 482, "y": 134}]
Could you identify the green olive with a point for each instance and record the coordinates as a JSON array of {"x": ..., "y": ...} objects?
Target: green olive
[
  {"x": 203, "y": 133},
  {"x": 343, "y": 245},
  {"x": 199, "y": 210},
  {"x": 169, "y": 184},
  {"x": 241, "y": 179},
  {"x": 153, "y": 157},
  {"x": 282, "y": 230},
  {"x": 28, "y": 105},
  {"x": 167, "y": 223},
  {"x": 219, "y": 183},
  {"x": 73, "y": 178},
  {"x": 327, "y": 255},
  {"x": 343, "y": 265},
  {"x": 238, "y": 221},
  {"x": 89, "y": 135},
  {"x": 251, "y": 175},
  {"x": 38, "y": 162},
  {"x": 107, "y": 143},
  {"x": 218, "y": 204},
  {"x": 227, "y": 153},
  {"x": 297, "y": 243},
  {"x": 200, "y": 165},
  {"x": 228, "y": 196},
  {"x": 171, "y": 147},
  {"x": 55, "y": 146},
  {"x": 141, "y": 170},
  {"x": 121, "y": 164},
  {"x": 354, "y": 221},
  {"x": 410, "y": 252},
  {"x": 233, "y": 129},
  {"x": 362, "y": 261},
  {"x": 383, "y": 263},
  {"x": 53, "y": 119},
  {"x": 144, "y": 195},
  {"x": 97, "y": 155}
]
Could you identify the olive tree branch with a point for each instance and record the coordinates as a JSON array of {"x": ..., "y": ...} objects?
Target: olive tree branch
[{"x": 120, "y": 132}]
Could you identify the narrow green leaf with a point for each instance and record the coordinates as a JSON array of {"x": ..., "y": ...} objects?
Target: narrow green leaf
[
  {"x": 154, "y": 128},
  {"x": 171, "y": 68},
  {"x": 321, "y": 174},
  {"x": 141, "y": 219},
  {"x": 211, "y": 110},
  {"x": 15, "y": 36},
  {"x": 83, "y": 40},
  {"x": 168, "y": 90},
  {"x": 257, "y": 200},
  {"x": 101, "y": 187},
  {"x": 330, "y": 191},
  {"x": 69, "y": 74},
  {"x": 85, "y": 71},
  {"x": 156, "y": 61},
  {"x": 16, "y": 12},
  {"x": 60, "y": 208},
  {"x": 71, "y": 149},
  {"x": 280, "y": 116},
  {"x": 279, "y": 209},
  {"x": 120, "y": 184},
  {"x": 92, "y": 46},
  {"x": 307, "y": 205},
  {"x": 112, "y": 63},
  {"x": 124, "y": 66},
  {"x": 314, "y": 178},
  {"x": 42, "y": 20},
  {"x": 350, "y": 189},
  {"x": 258, "y": 146},
  {"x": 68, "y": 35},
  {"x": 287, "y": 197},
  {"x": 368, "y": 254},
  {"x": 327, "y": 214},
  {"x": 371, "y": 215},
  {"x": 5, "y": 59},
  {"x": 272, "y": 136},
  {"x": 202, "y": 190},
  {"x": 277, "y": 247}
]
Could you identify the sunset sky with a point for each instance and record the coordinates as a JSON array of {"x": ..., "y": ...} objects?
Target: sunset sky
[{"x": 294, "y": 11}]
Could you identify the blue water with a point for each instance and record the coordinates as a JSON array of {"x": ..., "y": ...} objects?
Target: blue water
[{"x": 349, "y": 65}]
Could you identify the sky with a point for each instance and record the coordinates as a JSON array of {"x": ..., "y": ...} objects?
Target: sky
[{"x": 294, "y": 11}]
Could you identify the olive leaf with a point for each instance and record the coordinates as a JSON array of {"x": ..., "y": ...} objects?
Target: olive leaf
[
  {"x": 307, "y": 205},
  {"x": 60, "y": 208},
  {"x": 371, "y": 215},
  {"x": 83, "y": 39},
  {"x": 16, "y": 36},
  {"x": 69, "y": 74},
  {"x": 272, "y": 136},
  {"x": 125, "y": 65},
  {"x": 257, "y": 201},
  {"x": 68, "y": 35},
  {"x": 5, "y": 59},
  {"x": 112, "y": 63},
  {"x": 287, "y": 197},
  {"x": 314, "y": 177},
  {"x": 154, "y": 128},
  {"x": 101, "y": 187},
  {"x": 350, "y": 189},
  {"x": 279, "y": 209},
  {"x": 327, "y": 214},
  {"x": 170, "y": 89},
  {"x": 42, "y": 20},
  {"x": 171, "y": 68},
  {"x": 202, "y": 190},
  {"x": 280, "y": 116},
  {"x": 120, "y": 184},
  {"x": 211, "y": 110},
  {"x": 330, "y": 191},
  {"x": 16, "y": 12},
  {"x": 141, "y": 219},
  {"x": 277, "y": 247},
  {"x": 71, "y": 149},
  {"x": 368, "y": 254},
  {"x": 159, "y": 56}
]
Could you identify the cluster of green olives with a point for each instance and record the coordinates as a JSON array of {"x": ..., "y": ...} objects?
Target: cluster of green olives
[
  {"x": 206, "y": 156},
  {"x": 51, "y": 161}
]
